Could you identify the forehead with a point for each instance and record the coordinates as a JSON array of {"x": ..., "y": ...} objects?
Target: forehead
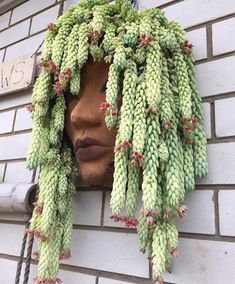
[{"x": 95, "y": 70}]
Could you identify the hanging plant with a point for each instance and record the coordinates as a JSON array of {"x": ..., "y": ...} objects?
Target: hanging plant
[{"x": 159, "y": 126}]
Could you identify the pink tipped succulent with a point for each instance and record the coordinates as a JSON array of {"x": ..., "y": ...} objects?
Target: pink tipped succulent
[
  {"x": 115, "y": 217},
  {"x": 167, "y": 125},
  {"x": 38, "y": 208},
  {"x": 29, "y": 108},
  {"x": 153, "y": 110},
  {"x": 35, "y": 255},
  {"x": 51, "y": 27},
  {"x": 57, "y": 88},
  {"x": 126, "y": 144},
  {"x": 175, "y": 253},
  {"x": 130, "y": 222},
  {"x": 30, "y": 233},
  {"x": 105, "y": 106},
  {"x": 159, "y": 280},
  {"x": 182, "y": 211},
  {"x": 150, "y": 220}
]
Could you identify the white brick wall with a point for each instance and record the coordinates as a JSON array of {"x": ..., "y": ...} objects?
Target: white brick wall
[
  {"x": 198, "y": 39},
  {"x": 14, "y": 33},
  {"x": 205, "y": 262},
  {"x": 100, "y": 247},
  {"x": 225, "y": 117},
  {"x": 221, "y": 159},
  {"x": 2, "y": 168},
  {"x": 223, "y": 36},
  {"x": 190, "y": 12},
  {"x": 215, "y": 77},
  {"x": 87, "y": 208},
  {"x": 27, "y": 46},
  {"x": 14, "y": 146},
  {"x": 207, "y": 119},
  {"x": 227, "y": 212},
  {"x": 201, "y": 214},
  {"x": 39, "y": 23},
  {"x": 29, "y": 8},
  {"x": 17, "y": 172},
  {"x": 4, "y": 20},
  {"x": 23, "y": 119},
  {"x": 6, "y": 121},
  {"x": 108, "y": 251}
]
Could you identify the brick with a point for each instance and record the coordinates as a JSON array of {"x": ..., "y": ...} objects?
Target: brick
[
  {"x": 16, "y": 99},
  {"x": 67, "y": 276},
  {"x": 110, "y": 281},
  {"x": 2, "y": 168},
  {"x": 203, "y": 261},
  {"x": 142, "y": 4},
  {"x": 23, "y": 119},
  {"x": 227, "y": 212},
  {"x": 6, "y": 121},
  {"x": 221, "y": 160},
  {"x": 39, "y": 23},
  {"x": 215, "y": 77},
  {"x": 225, "y": 117},
  {"x": 87, "y": 208},
  {"x": 11, "y": 238},
  {"x": 29, "y": 8},
  {"x": 14, "y": 33},
  {"x": 190, "y": 13},
  {"x": 27, "y": 46},
  {"x": 1, "y": 55},
  {"x": 107, "y": 211},
  {"x": 14, "y": 217},
  {"x": 14, "y": 146},
  {"x": 17, "y": 172},
  {"x": 7, "y": 266},
  {"x": 198, "y": 39},
  {"x": 223, "y": 36},
  {"x": 207, "y": 119},
  {"x": 201, "y": 215},
  {"x": 108, "y": 251},
  {"x": 4, "y": 20}
]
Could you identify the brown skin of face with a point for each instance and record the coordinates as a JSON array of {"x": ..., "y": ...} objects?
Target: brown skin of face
[{"x": 84, "y": 119}]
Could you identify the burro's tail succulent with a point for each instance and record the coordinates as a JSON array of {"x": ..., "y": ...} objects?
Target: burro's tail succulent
[{"x": 160, "y": 132}]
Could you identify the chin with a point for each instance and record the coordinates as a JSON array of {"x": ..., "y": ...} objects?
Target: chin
[{"x": 95, "y": 174}]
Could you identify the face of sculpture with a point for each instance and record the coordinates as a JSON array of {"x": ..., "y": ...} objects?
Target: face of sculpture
[{"x": 93, "y": 143}]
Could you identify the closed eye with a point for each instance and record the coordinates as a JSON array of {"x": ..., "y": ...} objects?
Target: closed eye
[{"x": 104, "y": 87}]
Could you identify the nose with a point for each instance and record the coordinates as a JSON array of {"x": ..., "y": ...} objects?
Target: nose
[{"x": 86, "y": 113}]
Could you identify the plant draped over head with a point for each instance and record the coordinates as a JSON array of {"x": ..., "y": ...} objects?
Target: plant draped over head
[{"x": 159, "y": 126}]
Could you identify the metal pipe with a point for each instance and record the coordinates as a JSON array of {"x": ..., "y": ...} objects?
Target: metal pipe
[{"x": 16, "y": 198}]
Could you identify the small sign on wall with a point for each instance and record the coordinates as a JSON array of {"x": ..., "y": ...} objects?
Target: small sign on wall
[{"x": 17, "y": 74}]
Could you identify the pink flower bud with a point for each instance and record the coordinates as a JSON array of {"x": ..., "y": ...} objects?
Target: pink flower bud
[
  {"x": 150, "y": 220},
  {"x": 183, "y": 211},
  {"x": 175, "y": 253}
]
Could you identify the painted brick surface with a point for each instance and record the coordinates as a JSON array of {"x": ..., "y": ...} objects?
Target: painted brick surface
[
  {"x": 142, "y": 4},
  {"x": 2, "y": 167},
  {"x": 204, "y": 262},
  {"x": 39, "y": 23},
  {"x": 223, "y": 36},
  {"x": 14, "y": 33},
  {"x": 190, "y": 12},
  {"x": 207, "y": 119},
  {"x": 227, "y": 212},
  {"x": 13, "y": 234},
  {"x": 6, "y": 121},
  {"x": 110, "y": 281},
  {"x": 4, "y": 20},
  {"x": 116, "y": 252},
  {"x": 87, "y": 208},
  {"x": 225, "y": 117},
  {"x": 14, "y": 146},
  {"x": 221, "y": 156},
  {"x": 17, "y": 172},
  {"x": 67, "y": 276},
  {"x": 1, "y": 55},
  {"x": 23, "y": 119},
  {"x": 27, "y": 46},
  {"x": 201, "y": 213},
  {"x": 215, "y": 77},
  {"x": 198, "y": 39},
  {"x": 29, "y": 8},
  {"x": 15, "y": 99}
]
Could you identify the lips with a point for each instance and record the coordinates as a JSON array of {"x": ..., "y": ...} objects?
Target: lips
[{"x": 89, "y": 149}]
